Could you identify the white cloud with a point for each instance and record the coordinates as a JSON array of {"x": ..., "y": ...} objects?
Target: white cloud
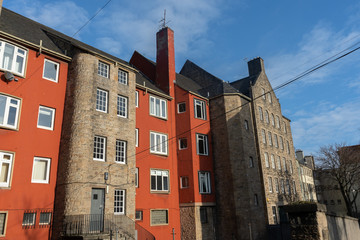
[{"x": 327, "y": 125}]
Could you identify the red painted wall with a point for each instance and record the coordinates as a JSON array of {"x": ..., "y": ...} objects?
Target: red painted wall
[{"x": 29, "y": 141}]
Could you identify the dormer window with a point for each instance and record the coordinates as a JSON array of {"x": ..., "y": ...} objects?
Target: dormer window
[{"x": 12, "y": 58}]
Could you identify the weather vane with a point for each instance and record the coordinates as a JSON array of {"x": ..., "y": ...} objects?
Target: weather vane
[{"x": 163, "y": 20}]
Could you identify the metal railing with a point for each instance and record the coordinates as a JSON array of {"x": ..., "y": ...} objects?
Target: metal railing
[{"x": 99, "y": 224}]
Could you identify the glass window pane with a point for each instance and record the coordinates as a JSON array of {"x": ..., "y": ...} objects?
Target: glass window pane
[
  {"x": 50, "y": 70},
  {"x": 8, "y": 56},
  {"x": 12, "y": 116},
  {"x": 2, "y": 108},
  {"x": 153, "y": 182},
  {"x": 45, "y": 117},
  {"x": 4, "y": 172},
  {"x": 159, "y": 182},
  {"x": 40, "y": 167}
]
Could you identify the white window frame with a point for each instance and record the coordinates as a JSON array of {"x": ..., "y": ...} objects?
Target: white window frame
[
  {"x": 202, "y": 105},
  {"x": 137, "y": 177},
  {"x": 123, "y": 77},
  {"x": 103, "y": 69},
  {"x": 57, "y": 70},
  {"x": 9, "y": 161},
  {"x": 10, "y": 103},
  {"x": 122, "y": 106},
  {"x": 96, "y": 150},
  {"x": 137, "y": 99},
  {"x": 204, "y": 180},
  {"x": 136, "y": 137},
  {"x": 100, "y": 102},
  {"x": 205, "y": 144},
  {"x": 120, "y": 151},
  {"x": 119, "y": 201},
  {"x": 52, "y": 110},
  {"x": 161, "y": 112},
  {"x": 16, "y": 54},
  {"x": 5, "y": 213},
  {"x": 163, "y": 174},
  {"x": 29, "y": 223},
  {"x": 158, "y": 143},
  {"x": 181, "y": 104},
  {"x": 181, "y": 147},
  {"x": 47, "y": 173}
]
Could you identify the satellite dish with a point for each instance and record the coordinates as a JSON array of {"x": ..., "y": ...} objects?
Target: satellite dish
[{"x": 9, "y": 76}]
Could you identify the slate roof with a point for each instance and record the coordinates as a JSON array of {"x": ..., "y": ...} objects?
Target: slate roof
[
  {"x": 141, "y": 79},
  {"x": 31, "y": 31},
  {"x": 243, "y": 85}
]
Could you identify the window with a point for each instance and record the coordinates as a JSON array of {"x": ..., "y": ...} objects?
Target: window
[
  {"x": 281, "y": 142},
  {"x": 120, "y": 152},
  {"x": 279, "y": 163},
  {"x": 122, "y": 77},
  {"x": 266, "y": 160},
  {"x": 159, "y": 217},
  {"x": 119, "y": 201},
  {"x": 136, "y": 177},
  {"x": 267, "y": 116},
  {"x": 158, "y": 143},
  {"x": 29, "y": 219},
  {"x": 101, "y": 100},
  {"x": 103, "y": 69},
  {"x": 285, "y": 131},
  {"x": 339, "y": 201},
  {"x": 158, "y": 107},
  {"x": 181, "y": 107},
  {"x": 138, "y": 215},
  {"x": 288, "y": 147},
  {"x": 261, "y": 114},
  {"x": 290, "y": 167},
  {"x": 45, "y": 218},
  {"x": 277, "y": 122},
  {"x": 251, "y": 162},
  {"x": 274, "y": 214},
  {"x": 272, "y": 120},
  {"x": 46, "y": 118},
  {"x": 99, "y": 148},
  {"x": 246, "y": 125},
  {"x": 51, "y": 70},
  {"x": 270, "y": 184},
  {"x": 41, "y": 170},
  {"x": 9, "y": 111},
  {"x": 182, "y": 143},
  {"x": 122, "y": 106},
  {"x": 2, "y": 223},
  {"x": 276, "y": 185},
  {"x": 270, "y": 138},
  {"x": 269, "y": 97},
  {"x": 136, "y": 137},
  {"x": 276, "y": 141},
  {"x": 6, "y": 160},
  {"x": 256, "y": 200},
  {"x": 288, "y": 186},
  {"x": 204, "y": 182},
  {"x": 203, "y": 215},
  {"x": 159, "y": 180},
  {"x": 12, "y": 58},
  {"x": 136, "y": 99},
  {"x": 200, "y": 109},
  {"x": 272, "y": 161},
  {"x": 263, "y": 136},
  {"x": 294, "y": 188},
  {"x": 202, "y": 144},
  {"x": 184, "y": 182},
  {"x": 263, "y": 94},
  {"x": 282, "y": 186},
  {"x": 284, "y": 164}
]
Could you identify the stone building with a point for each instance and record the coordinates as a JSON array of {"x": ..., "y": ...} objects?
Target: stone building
[{"x": 306, "y": 167}]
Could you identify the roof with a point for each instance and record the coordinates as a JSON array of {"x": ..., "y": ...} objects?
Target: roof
[
  {"x": 142, "y": 80},
  {"x": 243, "y": 85},
  {"x": 211, "y": 86},
  {"x": 31, "y": 31}
]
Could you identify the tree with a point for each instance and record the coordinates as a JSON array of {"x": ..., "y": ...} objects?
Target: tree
[{"x": 342, "y": 164}]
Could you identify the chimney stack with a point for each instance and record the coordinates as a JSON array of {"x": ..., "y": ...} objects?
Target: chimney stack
[
  {"x": 299, "y": 155},
  {"x": 256, "y": 66},
  {"x": 165, "y": 60}
]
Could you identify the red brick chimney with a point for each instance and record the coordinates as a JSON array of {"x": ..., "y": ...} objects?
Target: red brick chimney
[{"x": 165, "y": 60}]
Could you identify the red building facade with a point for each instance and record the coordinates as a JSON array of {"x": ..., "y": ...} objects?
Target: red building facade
[{"x": 32, "y": 93}]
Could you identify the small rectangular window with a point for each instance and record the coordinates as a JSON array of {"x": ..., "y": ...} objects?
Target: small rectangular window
[
  {"x": 276, "y": 185},
  {"x": 3, "y": 216},
  {"x": 136, "y": 137},
  {"x": 203, "y": 215},
  {"x": 41, "y": 170},
  {"x": 120, "y": 153},
  {"x": 159, "y": 217},
  {"x": 256, "y": 200},
  {"x": 272, "y": 161},
  {"x": 6, "y": 161},
  {"x": 29, "y": 219},
  {"x": 266, "y": 155},
  {"x": 184, "y": 182},
  {"x": 202, "y": 144},
  {"x": 182, "y": 143},
  {"x": 158, "y": 143},
  {"x": 103, "y": 69},
  {"x": 274, "y": 212},
  {"x": 270, "y": 138},
  {"x": 181, "y": 107},
  {"x": 263, "y": 94},
  {"x": 270, "y": 185},
  {"x": 12, "y": 58},
  {"x": 99, "y": 148},
  {"x": 200, "y": 109},
  {"x": 204, "y": 182},
  {"x": 51, "y": 70},
  {"x": 246, "y": 125},
  {"x": 122, "y": 77},
  {"x": 138, "y": 215},
  {"x": 46, "y": 118},
  {"x": 158, "y": 107},
  {"x": 122, "y": 108},
  {"x": 9, "y": 111},
  {"x": 101, "y": 100},
  {"x": 119, "y": 201},
  {"x": 263, "y": 134},
  {"x": 261, "y": 114},
  {"x": 251, "y": 162},
  {"x": 159, "y": 180},
  {"x": 136, "y": 177},
  {"x": 136, "y": 99},
  {"x": 45, "y": 218}
]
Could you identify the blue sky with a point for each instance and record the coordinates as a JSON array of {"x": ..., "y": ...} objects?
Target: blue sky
[{"x": 222, "y": 35}]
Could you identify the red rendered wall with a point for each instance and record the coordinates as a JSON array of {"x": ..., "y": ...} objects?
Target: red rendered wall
[{"x": 29, "y": 141}]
